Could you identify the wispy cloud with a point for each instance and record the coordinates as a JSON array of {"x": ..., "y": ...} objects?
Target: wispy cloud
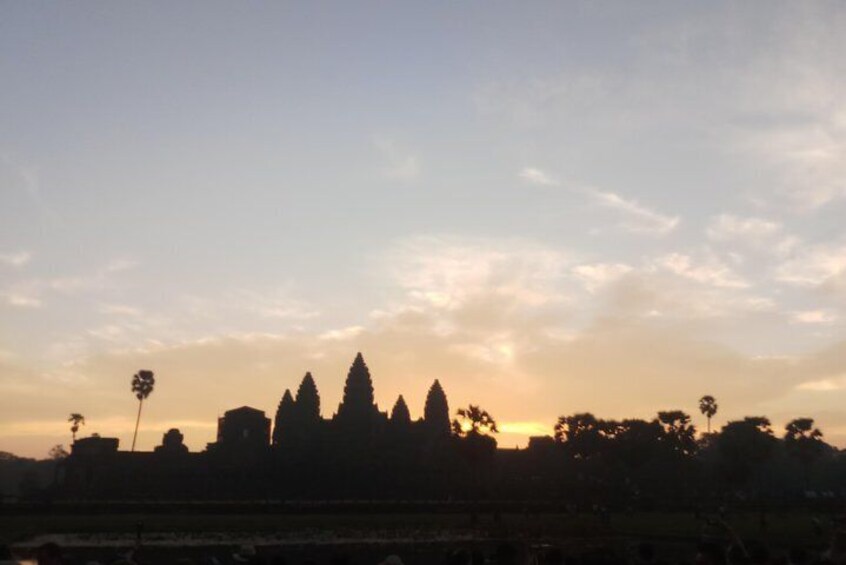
[
  {"x": 16, "y": 259},
  {"x": 815, "y": 266},
  {"x": 823, "y": 385},
  {"x": 448, "y": 271},
  {"x": 274, "y": 303},
  {"x": 30, "y": 293},
  {"x": 727, "y": 227},
  {"x": 635, "y": 217},
  {"x": 121, "y": 310},
  {"x": 710, "y": 271},
  {"x": 537, "y": 176},
  {"x": 342, "y": 334},
  {"x": 21, "y": 300},
  {"x": 597, "y": 275},
  {"x": 814, "y": 317}
]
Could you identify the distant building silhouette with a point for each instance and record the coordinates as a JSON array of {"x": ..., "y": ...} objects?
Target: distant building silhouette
[{"x": 243, "y": 428}]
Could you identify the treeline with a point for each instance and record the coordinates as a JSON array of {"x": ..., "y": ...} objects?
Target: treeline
[
  {"x": 22, "y": 477},
  {"x": 664, "y": 458}
]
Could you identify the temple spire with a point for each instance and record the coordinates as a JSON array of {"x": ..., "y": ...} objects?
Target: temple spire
[
  {"x": 358, "y": 391},
  {"x": 308, "y": 400},
  {"x": 436, "y": 411},
  {"x": 400, "y": 414},
  {"x": 285, "y": 414}
]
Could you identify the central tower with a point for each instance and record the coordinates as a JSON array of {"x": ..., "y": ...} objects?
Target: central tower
[
  {"x": 357, "y": 408},
  {"x": 357, "y": 413}
]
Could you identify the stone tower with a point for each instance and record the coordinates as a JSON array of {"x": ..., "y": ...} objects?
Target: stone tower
[
  {"x": 285, "y": 416},
  {"x": 400, "y": 415},
  {"x": 308, "y": 401},
  {"x": 436, "y": 411},
  {"x": 357, "y": 409}
]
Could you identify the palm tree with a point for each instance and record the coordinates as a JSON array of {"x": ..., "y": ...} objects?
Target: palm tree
[
  {"x": 142, "y": 385},
  {"x": 76, "y": 420},
  {"x": 708, "y": 407}
]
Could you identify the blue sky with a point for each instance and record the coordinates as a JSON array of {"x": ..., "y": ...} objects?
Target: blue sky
[{"x": 550, "y": 207}]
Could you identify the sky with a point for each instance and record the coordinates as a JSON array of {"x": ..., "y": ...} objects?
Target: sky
[{"x": 550, "y": 207}]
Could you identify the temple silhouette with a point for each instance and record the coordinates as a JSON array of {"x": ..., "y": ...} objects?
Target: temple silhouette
[
  {"x": 360, "y": 452},
  {"x": 364, "y": 454}
]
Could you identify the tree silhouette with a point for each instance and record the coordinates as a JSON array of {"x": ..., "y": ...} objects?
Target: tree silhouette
[
  {"x": 744, "y": 445},
  {"x": 142, "y": 385},
  {"x": 58, "y": 452},
  {"x": 803, "y": 441},
  {"x": 636, "y": 441},
  {"x": 708, "y": 407},
  {"x": 76, "y": 420},
  {"x": 473, "y": 427},
  {"x": 582, "y": 434},
  {"x": 679, "y": 434},
  {"x": 473, "y": 421}
]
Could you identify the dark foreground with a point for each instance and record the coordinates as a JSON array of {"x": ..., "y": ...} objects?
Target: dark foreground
[{"x": 795, "y": 538}]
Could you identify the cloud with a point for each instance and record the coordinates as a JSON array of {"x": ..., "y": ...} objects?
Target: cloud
[
  {"x": 29, "y": 293},
  {"x": 449, "y": 272},
  {"x": 597, "y": 275},
  {"x": 342, "y": 334},
  {"x": 816, "y": 266},
  {"x": 710, "y": 272},
  {"x": 536, "y": 176},
  {"x": 17, "y": 259},
  {"x": 728, "y": 227},
  {"x": 121, "y": 310},
  {"x": 814, "y": 317},
  {"x": 823, "y": 385},
  {"x": 21, "y": 300},
  {"x": 273, "y": 303},
  {"x": 636, "y": 218},
  {"x": 98, "y": 280}
]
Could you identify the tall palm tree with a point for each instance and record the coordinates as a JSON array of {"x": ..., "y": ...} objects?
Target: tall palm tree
[
  {"x": 142, "y": 385},
  {"x": 76, "y": 420},
  {"x": 708, "y": 407}
]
